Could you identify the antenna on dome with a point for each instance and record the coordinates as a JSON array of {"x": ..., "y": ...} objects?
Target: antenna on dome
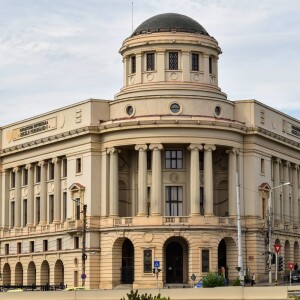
[{"x": 132, "y": 17}]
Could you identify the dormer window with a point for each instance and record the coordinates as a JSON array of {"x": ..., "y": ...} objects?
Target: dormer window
[
  {"x": 150, "y": 63},
  {"x": 173, "y": 60},
  {"x": 195, "y": 62},
  {"x": 133, "y": 64}
]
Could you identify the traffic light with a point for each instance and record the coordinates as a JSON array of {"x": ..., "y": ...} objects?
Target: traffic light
[
  {"x": 273, "y": 259},
  {"x": 280, "y": 263}
]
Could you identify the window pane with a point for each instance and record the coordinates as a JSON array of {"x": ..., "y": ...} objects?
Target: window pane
[
  {"x": 195, "y": 62},
  {"x": 133, "y": 64},
  {"x": 150, "y": 62},
  {"x": 173, "y": 60},
  {"x": 205, "y": 260}
]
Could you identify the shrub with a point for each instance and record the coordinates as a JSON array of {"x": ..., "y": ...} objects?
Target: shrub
[
  {"x": 236, "y": 282},
  {"x": 134, "y": 295},
  {"x": 213, "y": 279}
]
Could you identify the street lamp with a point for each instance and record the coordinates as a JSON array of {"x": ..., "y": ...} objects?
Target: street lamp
[{"x": 270, "y": 227}]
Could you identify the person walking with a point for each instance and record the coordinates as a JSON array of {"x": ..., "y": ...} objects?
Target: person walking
[{"x": 252, "y": 279}]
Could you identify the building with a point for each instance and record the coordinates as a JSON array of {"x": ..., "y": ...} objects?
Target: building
[{"x": 157, "y": 171}]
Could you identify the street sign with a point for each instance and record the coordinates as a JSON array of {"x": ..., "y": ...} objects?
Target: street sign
[
  {"x": 83, "y": 276},
  {"x": 291, "y": 266},
  {"x": 156, "y": 264},
  {"x": 277, "y": 248}
]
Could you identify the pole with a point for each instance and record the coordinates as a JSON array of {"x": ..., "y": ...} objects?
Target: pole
[
  {"x": 270, "y": 237},
  {"x": 276, "y": 268},
  {"x": 240, "y": 249},
  {"x": 84, "y": 256}
]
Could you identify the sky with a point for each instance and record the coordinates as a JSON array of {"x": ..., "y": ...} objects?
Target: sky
[{"x": 54, "y": 53}]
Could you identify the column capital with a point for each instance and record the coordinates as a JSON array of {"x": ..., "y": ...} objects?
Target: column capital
[
  {"x": 195, "y": 147},
  {"x": 142, "y": 147},
  {"x": 156, "y": 147},
  {"x": 233, "y": 150},
  {"x": 56, "y": 160},
  {"x": 16, "y": 169},
  {"x": 208, "y": 147},
  {"x": 42, "y": 163},
  {"x": 277, "y": 160},
  {"x": 287, "y": 163},
  {"x": 113, "y": 150},
  {"x": 295, "y": 167},
  {"x": 29, "y": 166}
]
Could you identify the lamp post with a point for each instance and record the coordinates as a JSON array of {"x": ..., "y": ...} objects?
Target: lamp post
[{"x": 270, "y": 227}]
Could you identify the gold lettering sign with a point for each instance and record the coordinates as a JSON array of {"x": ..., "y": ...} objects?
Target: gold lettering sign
[{"x": 34, "y": 128}]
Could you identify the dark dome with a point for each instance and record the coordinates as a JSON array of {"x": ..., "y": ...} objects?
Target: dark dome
[{"x": 170, "y": 22}]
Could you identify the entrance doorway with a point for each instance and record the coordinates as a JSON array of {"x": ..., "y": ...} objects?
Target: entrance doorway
[
  {"x": 174, "y": 263},
  {"x": 222, "y": 259},
  {"x": 127, "y": 269}
]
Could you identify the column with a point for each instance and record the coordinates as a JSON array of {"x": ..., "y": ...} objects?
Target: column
[
  {"x": 195, "y": 179},
  {"x": 186, "y": 66},
  {"x": 206, "y": 68},
  {"x": 104, "y": 183},
  {"x": 113, "y": 182},
  {"x": 156, "y": 189},
  {"x": 30, "y": 195},
  {"x": 232, "y": 170},
  {"x": 142, "y": 180},
  {"x": 5, "y": 199},
  {"x": 43, "y": 192},
  {"x": 286, "y": 193},
  {"x": 139, "y": 68},
  {"x": 276, "y": 192},
  {"x": 208, "y": 180},
  {"x": 57, "y": 189},
  {"x": 18, "y": 173},
  {"x": 295, "y": 193},
  {"x": 161, "y": 69},
  {"x": 216, "y": 71}
]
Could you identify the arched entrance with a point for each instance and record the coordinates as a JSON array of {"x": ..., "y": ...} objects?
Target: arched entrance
[
  {"x": 45, "y": 273},
  {"x": 31, "y": 273},
  {"x": 6, "y": 274},
  {"x": 19, "y": 274},
  {"x": 59, "y": 272},
  {"x": 227, "y": 257},
  {"x": 127, "y": 270},
  {"x": 176, "y": 254}
]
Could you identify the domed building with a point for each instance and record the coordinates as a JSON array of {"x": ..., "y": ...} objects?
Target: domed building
[{"x": 101, "y": 192}]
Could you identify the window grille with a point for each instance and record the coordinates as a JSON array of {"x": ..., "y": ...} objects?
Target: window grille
[
  {"x": 150, "y": 62},
  {"x": 173, "y": 60},
  {"x": 195, "y": 62}
]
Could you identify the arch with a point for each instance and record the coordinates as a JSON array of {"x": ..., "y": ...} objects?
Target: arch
[
  {"x": 227, "y": 254},
  {"x": 127, "y": 262},
  {"x": 176, "y": 260},
  {"x": 287, "y": 255},
  {"x": 31, "y": 273},
  {"x": 59, "y": 272},
  {"x": 45, "y": 273},
  {"x": 296, "y": 253},
  {"x": 221, "y": 203},
  {"x": 124, "y": 200},
  {"x": 19, "y": 274},
  {"x": 6, "y": 274}
]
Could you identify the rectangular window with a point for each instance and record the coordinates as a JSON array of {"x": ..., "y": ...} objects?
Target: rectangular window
[
  {"x": 201, "y": 160},
  {"x": 147, "y": 261},
  {"x": 12, "y": 179},
  {"x": 173, "y": 159},
  {"x": 78, "y": 165},
  {"x": 77, "y": 208},
  {"x": 150, "y": 63},
  {"x": 65, "y": 168},
  {"x": 210, "y": 61},
  {"x": 262, "y": 166},
  {"x": 205, "y": 260},
  {"x": 45, "y": 245},
  {"x": 195, "y": 62},
  {"x": 6, "y": 249},
  {"x": 31, "y": 246},
  {"x": 38, "y": 210},
  {"x": 264, "y": 208},
  {"x": 133, "y": 64},
  {"x": 76, "y": 242},
  {"x": 37, "y": 174},
  {"x": 24, "y": 212},
  {"x": 173, "y": 60},
  {"x": 19, "y": 248},
  {"x": 149, "y": 160},
  {"x": 59, "y": 244},
  {"x": 64, "y": 205},
  {"x": 12, "y": 214},
  {"x": 51, "y": 208},
  {"x": 174, "y": 201},
  {"x": 201, "y": 201},
  {"x": 25, "y": 176},
  {"x": 51, "y": 171}
]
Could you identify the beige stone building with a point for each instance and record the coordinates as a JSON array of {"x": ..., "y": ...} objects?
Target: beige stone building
[{"x": 158, "y": 170}]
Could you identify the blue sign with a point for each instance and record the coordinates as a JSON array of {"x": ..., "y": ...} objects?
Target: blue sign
[
  {"x": 83, "y": 276},
  {"x": 156, "y": 264}
]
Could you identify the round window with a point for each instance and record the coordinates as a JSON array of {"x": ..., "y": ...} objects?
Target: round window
[
  {"x": 130, "y": 110},
  {"x": 218, "y": 110},
  {"x": 175, "y": 108}
]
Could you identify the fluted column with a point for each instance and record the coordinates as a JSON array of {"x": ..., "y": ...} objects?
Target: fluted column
[
  {"x": 286, "y": 194},
  {"x": 232, "y": 170},
  {"x": 142, "y": 180},
  {"x": 208, "y": 180},
  {"x": 43, "y": 192},
  {"x": 57, "y": 189},
  {"x": 276, "y": 192},
  {"x": 18, "y": 173},
  {"x": 30, "y": 195},
  {"x": 295, "y": 192},
  {"x": 113, "y": 182},
  {"x": 195, "y": 179},
  {"x": 5, "y": 199},
  {"x": 156, "y": 191}
]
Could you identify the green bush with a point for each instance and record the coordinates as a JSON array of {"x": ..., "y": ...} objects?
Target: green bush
[
  {"x": 236, "y": 282},
  {"x": 134, "y": 295},
  {"x": 213, "y": 279}
]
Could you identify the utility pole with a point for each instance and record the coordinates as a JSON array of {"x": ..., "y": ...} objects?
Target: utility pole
[{"x": 84, "y": 256}]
